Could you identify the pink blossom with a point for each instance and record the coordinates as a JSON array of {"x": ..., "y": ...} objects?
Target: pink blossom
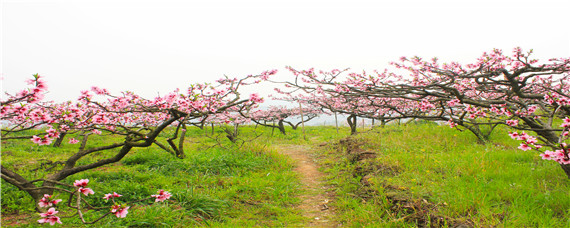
[
  {"x": 426, "y": 105},
  {"x": 109, "y": 196},
  {"x": 162, "y": 196},
  {"x": 81, "y": 183},
  {"x": 73, "y": 141},
  {"x": 453, "y": 102},
  {"x": 52, "y": 133},
  {"x": 514, "y": 135},
  {"x": 531, "y": 140},
  {"x": 86, "y": 191},
  {"x": 566, "y": 123},
  {"x": 119, "y": 210},
  {"x": 254, "y": 97},
  {"x": 265, "y": 75},
  {"x": 85, "y": 95},
  {"x": 51, "y": 220},
  {"x": 47, "y": 201},
  {"x": 558, "y": 154},
  {"x": 50, "y": 212},
  {"x": 470, "y": 109},
  {"x": 36, "y": 139},
  {"x": 50, "y": 217},
  {"x": 564, "y": 160},
  {"x": 531, "y": 109},
  {"x": 41, "y": 141},
  {"x": 523, "y": 136},
  {"x": 524, "y": 147},
  {"x": 512, "y": 123},
  {"x": 99, "y": 91},
  {"x": 64, "y": 128},
  {"x": 546, "y": 156}
]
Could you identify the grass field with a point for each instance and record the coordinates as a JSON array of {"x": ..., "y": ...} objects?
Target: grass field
[
  {"x": 431, "y": 175},
  {"x": 396, "y": 176}
]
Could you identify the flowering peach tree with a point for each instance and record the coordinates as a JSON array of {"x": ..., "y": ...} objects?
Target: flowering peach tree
[
  {"x": 139, "y": 122},
  {"x": 514, "y": 90},
  {"x": 282, "y": 115}
]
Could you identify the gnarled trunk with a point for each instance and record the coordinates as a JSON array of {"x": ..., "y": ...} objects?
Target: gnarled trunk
[{"x": 352, "y": 123}]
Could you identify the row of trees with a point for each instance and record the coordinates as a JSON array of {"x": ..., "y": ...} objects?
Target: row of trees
[
  {"x": 138, "y": 121},
  {"x": 496, "y": 89}
]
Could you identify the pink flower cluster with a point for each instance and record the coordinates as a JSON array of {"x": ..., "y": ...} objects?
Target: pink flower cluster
[
  {"x": 81, "y": 184},
  {"x": 528, "y": 141},
  {"x": 453, "y": 102},
  {"x": 45, "y": 140},
  {"x": 265, "y": 74},
  {"x": 254, "y": 97},
  {"x": 111, "y": 196},
  {"x": 474, "y": 112},
  {"x": 73, "y": 141},
  {"x": 426, "y": 105},
  {"x": 529, "y": 111},
  {"x": 47, "y": 201},
  {"x": 119, "y": 210},
  {"x": 480, "y": 92},
  {"x": 162, "y": 196},
  {"x": 565, "y": 123},
  {"x": 559, "y": 156},
  {"x": 554, "y": 98},
  {"x": 49, "y": 217},
  {"x": 512, "y": 123},
  {"x": 97, "y": 110}
]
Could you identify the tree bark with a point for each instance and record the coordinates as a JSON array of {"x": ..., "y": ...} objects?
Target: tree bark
[
  {"x": 180, "y": 152},
  {"x": 281, "y": 127},
  {"x": 59, "y": 140},
  {"x": 352, "y": 123}
]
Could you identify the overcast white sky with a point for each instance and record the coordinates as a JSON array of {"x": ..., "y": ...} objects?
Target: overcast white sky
[{"x": 156, "y": 46}]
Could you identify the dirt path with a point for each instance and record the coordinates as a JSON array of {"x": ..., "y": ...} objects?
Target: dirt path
[{"x": 315, "y": 199}]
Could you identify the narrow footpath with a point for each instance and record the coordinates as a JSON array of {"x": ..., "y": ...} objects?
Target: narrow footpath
[{"x": 314, "y": 197}]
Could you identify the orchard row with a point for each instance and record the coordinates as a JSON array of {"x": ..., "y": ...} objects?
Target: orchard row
[{"x": 527, "y": 95}]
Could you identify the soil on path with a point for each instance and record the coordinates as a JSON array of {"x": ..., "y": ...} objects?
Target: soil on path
[{"x": 315, "y": 198}]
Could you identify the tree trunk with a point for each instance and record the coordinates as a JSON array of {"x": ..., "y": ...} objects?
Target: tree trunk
[
  {"x": 481, "y": 138},
  {"x": 59, "y": 140},
  {"x": 352, "y": 123},
  {"x": 180, "y": 152},
  {"x": 281, "y": 127},
  {"x": 24, "y": 185}
]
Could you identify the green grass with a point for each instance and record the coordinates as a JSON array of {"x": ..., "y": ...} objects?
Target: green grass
[
  {"x": 427, "y": 172},
  {"x": 422, "y": 175},
  {"x": 245, "y": 186}
]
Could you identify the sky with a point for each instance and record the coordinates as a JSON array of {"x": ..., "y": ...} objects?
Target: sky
[{"x": 154, "y": 47}]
